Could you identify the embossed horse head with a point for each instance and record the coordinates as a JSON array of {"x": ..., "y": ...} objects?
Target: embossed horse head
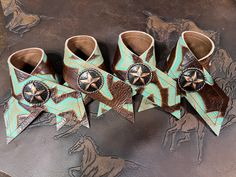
[{"x": 81, "y": 144}]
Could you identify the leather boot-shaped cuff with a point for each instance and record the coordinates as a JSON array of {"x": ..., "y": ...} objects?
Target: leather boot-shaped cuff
[
  {"x": 84, "y": 71},
  {"x": 135, "y": 63},
  {"x": 188, "y": 64},
  {"x": 35, "y": 89}
]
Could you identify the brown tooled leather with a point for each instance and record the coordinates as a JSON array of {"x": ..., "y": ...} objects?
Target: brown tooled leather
[
  {"x": 164, "y": 95},
  {"x": 83, "y": 48},
  {"x": 69, "y": 116},
  {"x": 119, "y": 73},
  {"x": 133, "y": 44},
  {"x": 44, "y": 68},
  {"x": 212, "y": 103},
  {"x": 58, "y": 98},
  {"x": 205, "y": 63},
  {"x": 70, "y": 76},
  {"x": 21, "y": 76},
  {"x": 170, "y": 59},
  {"x": 116, "y": 88},
  {"x": 214, "y": 92}
]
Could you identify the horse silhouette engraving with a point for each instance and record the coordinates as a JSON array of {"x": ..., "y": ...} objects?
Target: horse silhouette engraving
[
  {"x": 94, "y": 164},
  {"x": 187, "y": 125},
  {"x": 20, "y": 21},
  {"x": 222, "y": 68}
]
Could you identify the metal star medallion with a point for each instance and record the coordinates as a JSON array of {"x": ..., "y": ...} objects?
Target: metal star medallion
[
  {"x": 90, "y": 81},
  {"x": 191, "y": 79},
  {"x": 139, "y": 74},
  {"x": 36, "y": 92}
]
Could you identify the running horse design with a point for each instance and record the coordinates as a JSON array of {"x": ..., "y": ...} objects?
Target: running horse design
[
  {"x": 191, "y": 124},
  {"x": 94, "y": 164},
  {"x": 187, "y": 125},
  {"x": 222, "y": 66}
]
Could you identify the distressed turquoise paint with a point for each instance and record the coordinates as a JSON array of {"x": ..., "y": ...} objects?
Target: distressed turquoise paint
[
  {"x": 209, "y": 80},
  {"x": 213, "y": 119},
  {"x": 15, "y": 110},
  {"x": 73, "y": 61},
  {"x": 174, "y": 70},
  {"x": 151, "y": 90}
]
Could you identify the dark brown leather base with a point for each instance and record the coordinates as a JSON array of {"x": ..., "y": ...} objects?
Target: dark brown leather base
[{"x": 155, "y": 145}]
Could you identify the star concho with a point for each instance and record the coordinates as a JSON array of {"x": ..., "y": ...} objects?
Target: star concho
[
  {"x": 90, "y": 81},
  {"x": 139, "y": 74},
  {"x": 191, "y": 79},
  {"x": 36, "y": 92}
]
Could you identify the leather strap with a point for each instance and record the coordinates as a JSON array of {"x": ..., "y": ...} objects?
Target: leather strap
[
  {"x": 188, "y": 64},
  {"x": 135, "y": 63},
  {"x": 84, "y": 71},
  {"x": 35, "y": 89}
]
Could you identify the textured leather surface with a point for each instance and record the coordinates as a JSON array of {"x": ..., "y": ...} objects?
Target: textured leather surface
[
  {"x": 161, "y": 90},
  {"x": 37, "y": 90},
  {"x": 209, "y": 100},
  {"x": 112, "y": 91},
  {"x": 155, "y": 145}
]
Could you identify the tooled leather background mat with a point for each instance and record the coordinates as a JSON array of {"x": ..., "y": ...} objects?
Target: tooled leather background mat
[{"x": 155, "y": 145}]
